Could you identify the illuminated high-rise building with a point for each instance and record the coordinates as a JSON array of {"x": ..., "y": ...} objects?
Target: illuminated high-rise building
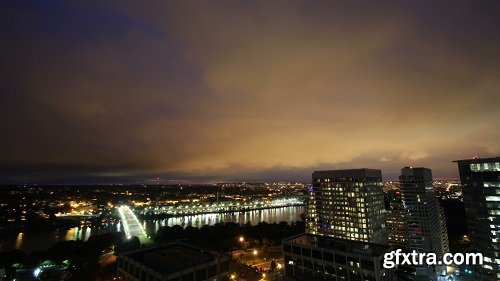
[
  {"x": 426, "y": 226},
  {"x": 348, "y": 204},
  {"x": 480, "y": 179},
  {"x": 310, "y": 212},
  {"x": 345, "y": 237},
  {"x": 397, "y": 224}
]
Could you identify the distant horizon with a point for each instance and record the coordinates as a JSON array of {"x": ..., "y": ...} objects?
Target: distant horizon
[
  {"x": 153, "y": 181},
  {"x": 263, "y": 176},
  {"x": 179, "y": 184},
  {"x": 244, "y": 90}
]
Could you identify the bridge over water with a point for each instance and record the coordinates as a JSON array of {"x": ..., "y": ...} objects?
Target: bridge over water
[{"x": 131, "y": 225}]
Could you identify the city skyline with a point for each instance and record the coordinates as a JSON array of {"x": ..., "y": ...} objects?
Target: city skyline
[{"x": 233, "y": 91}]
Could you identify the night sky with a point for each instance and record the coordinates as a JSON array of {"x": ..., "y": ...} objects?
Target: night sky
[{"x": 206, "y": 91}]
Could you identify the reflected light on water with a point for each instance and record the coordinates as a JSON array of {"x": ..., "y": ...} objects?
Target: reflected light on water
[
  {"x": 70, "y": 234},
  {"x": 75, "y": 233},
  {"x": 88, "y": 231},
  {"x": 36, "y": 241},
  {"x": 19, "y": 240},
  {"x": 275, "y": 215}
]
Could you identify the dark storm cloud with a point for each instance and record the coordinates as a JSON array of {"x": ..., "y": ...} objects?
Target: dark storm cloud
[{"x": 245, "y": 90}]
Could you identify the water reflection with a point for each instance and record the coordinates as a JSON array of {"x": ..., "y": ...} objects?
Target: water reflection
[
  {"x": 70, "y": 234},
  {"x": 43, "y": 240},
  {"x": 88, "y": 231},
  {"x": 19, "y": 241},
  {"x": 288, "y": 214},
  {"x": 84, "y": 233}
]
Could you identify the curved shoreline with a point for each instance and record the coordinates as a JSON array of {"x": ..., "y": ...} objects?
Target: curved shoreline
[{"x": 170, "y": 215}]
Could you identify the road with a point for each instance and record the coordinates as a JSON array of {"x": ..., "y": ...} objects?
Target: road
[
  {"x": 253, "y": 264},
  {"x": 131, "y": 225}
]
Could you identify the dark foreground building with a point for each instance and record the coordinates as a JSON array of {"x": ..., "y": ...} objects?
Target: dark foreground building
[
  {"x": 172, "y": 262},
  {"x": 480, "y": 179},
  {"x": 317, "y": 257}
]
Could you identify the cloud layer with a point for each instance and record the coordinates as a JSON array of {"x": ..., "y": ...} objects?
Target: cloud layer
[{"x": 245, "y": 90}]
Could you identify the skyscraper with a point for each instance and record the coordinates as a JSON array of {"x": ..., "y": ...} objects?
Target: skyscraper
[
  {"x": 397, "y": 224},
  {"x": 348, "y": 204},
  {"x": 480, "y": 179},
  {"x": 426, "y": 227},
  {"x": 345, "y": 237}
]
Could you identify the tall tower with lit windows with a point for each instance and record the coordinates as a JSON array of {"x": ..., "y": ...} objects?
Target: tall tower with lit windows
[
  {"x": 426, "y": 226},
  {"x": 480, "y": 179},
  {"x": 397, "y": 225},
  {"x": 348, "y": 204}
]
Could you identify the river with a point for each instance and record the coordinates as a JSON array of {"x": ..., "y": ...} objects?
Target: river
[{"x": 33, "y": 241}]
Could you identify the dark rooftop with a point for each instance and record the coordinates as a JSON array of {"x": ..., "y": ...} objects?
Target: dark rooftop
[
  {"x": 478, "y": 160},
  {"x": 173, "y": 257},
  {"x": 343, "y": 245},
  {"x": 354, "y": 173}
]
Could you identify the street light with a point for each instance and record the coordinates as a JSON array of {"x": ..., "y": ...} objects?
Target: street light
[
  {"x": 241, "y": 239},
  {"x": 255, "y": 252}
]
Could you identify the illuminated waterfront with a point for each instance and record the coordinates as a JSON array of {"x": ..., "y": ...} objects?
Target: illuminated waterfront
[
  {"x": 224, "y": 207},
  {"x": 274, "y": 215},
  {"x": 41, "y": 240}
]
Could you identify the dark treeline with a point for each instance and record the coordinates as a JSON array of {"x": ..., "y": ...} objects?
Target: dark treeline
[
  {"x": 81, "y": 257},
  {"x": 225, "y": 236}
]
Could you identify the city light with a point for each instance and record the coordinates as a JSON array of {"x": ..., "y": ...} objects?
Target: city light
[
  {"x": 19, "y": 240},
  {"x": 131, "y": 224},
  {"x": 37, "y": 272},
  {"x": 250, "y": 140}
]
